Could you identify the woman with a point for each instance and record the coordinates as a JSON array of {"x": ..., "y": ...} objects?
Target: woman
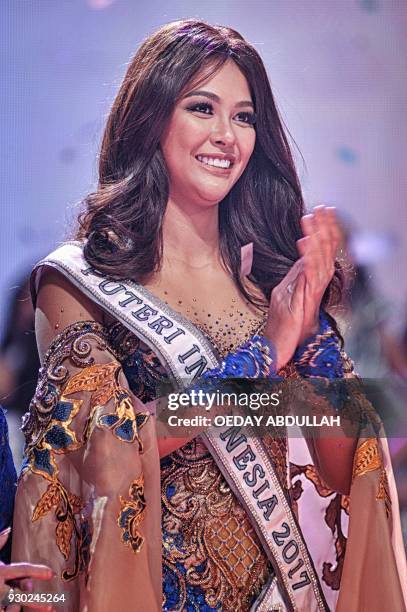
[{"x": 194, "y": 166}]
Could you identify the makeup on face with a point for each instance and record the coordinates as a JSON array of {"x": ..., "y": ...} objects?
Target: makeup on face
[{"x": 211, "y": 137}]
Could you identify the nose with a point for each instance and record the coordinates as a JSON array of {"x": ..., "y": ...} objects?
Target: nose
[{"x": 223, "y": 133}]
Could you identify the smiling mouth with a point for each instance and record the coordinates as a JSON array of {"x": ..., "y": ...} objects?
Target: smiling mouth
[{"x": 214, "y": 162}]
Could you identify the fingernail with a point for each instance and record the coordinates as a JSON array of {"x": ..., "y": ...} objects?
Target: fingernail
[{"x": 5, "y": 531}]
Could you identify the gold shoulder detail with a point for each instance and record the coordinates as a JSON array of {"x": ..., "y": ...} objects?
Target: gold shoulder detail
[{"x": 368, "y": 459}]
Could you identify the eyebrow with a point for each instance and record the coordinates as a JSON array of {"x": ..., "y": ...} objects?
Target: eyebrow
[{"x": 212, "y": 96}]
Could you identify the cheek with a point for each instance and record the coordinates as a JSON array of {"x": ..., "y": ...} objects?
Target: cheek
[
  {"x": 247, "y": 146},
  {"x": 181, "y": 140}
]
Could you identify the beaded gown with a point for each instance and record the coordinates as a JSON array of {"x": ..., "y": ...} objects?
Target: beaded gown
[
  {"x": 212, "y": 558},
  {"x": 121, "y": 529}
]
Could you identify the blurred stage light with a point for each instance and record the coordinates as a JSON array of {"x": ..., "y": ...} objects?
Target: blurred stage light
[{"x": 99, "y": 4}]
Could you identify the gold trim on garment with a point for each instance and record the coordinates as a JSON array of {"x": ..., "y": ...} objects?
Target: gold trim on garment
[{"x": 367, "y": 458}]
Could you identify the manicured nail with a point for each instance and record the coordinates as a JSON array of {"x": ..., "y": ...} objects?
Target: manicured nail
[{"x": 5, "y": 531}]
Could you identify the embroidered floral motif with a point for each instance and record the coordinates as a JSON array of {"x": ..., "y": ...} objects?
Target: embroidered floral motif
[
  {"x": 124, "y": 422},
  {"x": 66, "y": 505},
  {"x": 195, "y": 495},
  {"x": 73, "y": 343},
  {"x": 49, "y": 432},
  {"x": 211, "y": 554},
  {"x": 201, "y": 515},
  {"x": 253, "y": 359},
  {"x": 102, "y": 381},
  {"x": 367, "y": 458},
  {"x": 85, "y": 541},
  {"x": 331, "y": 572},
  {"x": 131, "y": 514},
  {"x": 58, "y": 438},
  {"x": 384, "y": 491},
  {"x": 321, "y": 356}
]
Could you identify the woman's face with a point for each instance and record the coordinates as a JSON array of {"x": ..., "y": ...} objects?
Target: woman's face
[{"x": 210, "y": 138}]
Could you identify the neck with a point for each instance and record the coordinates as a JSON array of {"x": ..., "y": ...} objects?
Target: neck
[{"x": 191, "y": 236}]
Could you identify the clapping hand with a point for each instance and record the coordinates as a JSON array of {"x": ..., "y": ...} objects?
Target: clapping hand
[
  {"x": 318, "y": 248},
  {"x": 20, "y": 575},
  {"x": 295, "y": 302}
]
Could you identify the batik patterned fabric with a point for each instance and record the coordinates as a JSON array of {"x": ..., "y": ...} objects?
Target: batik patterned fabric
[
  {"x": 212, "y": 558},
  {"x": 320, "y": 356},
  {"x": 81, "y": 420},
  {"x": 323, "y": 364}
]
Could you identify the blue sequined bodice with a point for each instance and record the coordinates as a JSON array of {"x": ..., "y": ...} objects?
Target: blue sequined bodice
[{"x": 212, "y": 558}]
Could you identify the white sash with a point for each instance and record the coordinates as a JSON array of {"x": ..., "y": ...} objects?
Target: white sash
[{"x": 186, "y": 353}]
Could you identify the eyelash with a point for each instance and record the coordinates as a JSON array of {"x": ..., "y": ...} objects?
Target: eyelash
[{"x": 250, "y": 117}]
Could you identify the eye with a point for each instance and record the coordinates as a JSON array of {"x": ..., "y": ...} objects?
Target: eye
[
  {"x": 246, "y": 117},
  {"x": 201, "y": 107}
]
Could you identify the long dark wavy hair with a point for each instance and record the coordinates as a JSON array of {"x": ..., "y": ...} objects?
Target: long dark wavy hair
[{"x": 122, "y": 221}]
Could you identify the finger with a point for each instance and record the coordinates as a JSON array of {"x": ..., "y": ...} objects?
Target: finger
[
  {"x": 310, "y": 259},
  {"x": 313, "y": 265},
  {"x": 310, "y": 229},
  {"x": 319, "y": 253},
  {"x": 26, "y": 584},
  {"x": 4, "y": 535},
  {"x": 302, "y": 245},
  {"x": 325, "y": 238},
  {"x": 307, "y": 224},
  {"x": 15, "y": 571},
  {"x": 334, "y": 227}
]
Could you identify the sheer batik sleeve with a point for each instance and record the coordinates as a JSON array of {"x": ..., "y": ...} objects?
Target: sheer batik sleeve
[
  {"x": 88, "y": 497},
  {"x": 374, "y": 573}
]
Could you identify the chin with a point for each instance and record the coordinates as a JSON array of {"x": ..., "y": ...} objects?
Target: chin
[
  {"x": 208, "y": 202},
  {"x": 210, "y": 197}
]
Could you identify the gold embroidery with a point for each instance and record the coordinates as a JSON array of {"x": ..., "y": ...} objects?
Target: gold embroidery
[
  {"x": 96, "y": 378},
  {"x": 131, "y": 514},
  {"x": 66, "y": 506},
  {"x": 383, "y": 492},
  {"x": 367, "y": 458},
  {"x": 73, "y": 343},
  {"x": 204, "y": 526},
  {"x": 48, "y": 431},
  {"x": 102, "y": 381}
]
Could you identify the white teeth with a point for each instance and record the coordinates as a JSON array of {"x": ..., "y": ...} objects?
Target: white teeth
[{"x": 214, "y": 161}]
